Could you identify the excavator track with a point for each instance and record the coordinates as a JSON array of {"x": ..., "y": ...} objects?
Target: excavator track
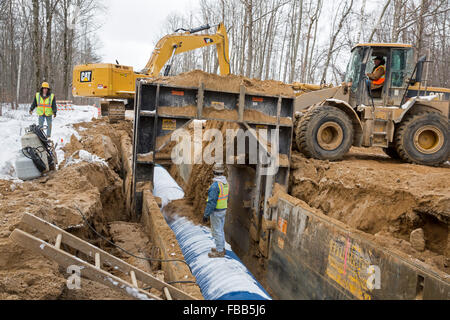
[{"x": 115, "y": 110}]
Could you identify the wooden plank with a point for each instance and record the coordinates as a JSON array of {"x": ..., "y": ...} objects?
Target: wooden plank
[
  {"x": 167, "y": 293},
  {"x": 58, "y": 241},
  {"x": 97, "y": 260},
  {"x": 90, "y": 250},
  {"x": 89, "y": 271},
  {"x": 133, "y": 279}
]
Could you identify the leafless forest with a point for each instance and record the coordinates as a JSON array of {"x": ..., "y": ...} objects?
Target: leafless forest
[
  {"x": 287, "y": 40},
  {"x": 40, "y": 40}
]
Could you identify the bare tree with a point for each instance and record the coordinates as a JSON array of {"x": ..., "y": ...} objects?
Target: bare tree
[{"x": 344, "y": 14}]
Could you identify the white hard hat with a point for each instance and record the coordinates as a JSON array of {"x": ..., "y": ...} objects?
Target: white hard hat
[{"x": 218, "y": 168}]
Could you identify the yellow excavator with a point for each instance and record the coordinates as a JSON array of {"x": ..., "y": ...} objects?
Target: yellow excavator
[{"x": 115, "y": 83}]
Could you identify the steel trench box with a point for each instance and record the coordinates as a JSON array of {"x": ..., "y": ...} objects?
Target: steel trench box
[{"x": 314, "y": 257}]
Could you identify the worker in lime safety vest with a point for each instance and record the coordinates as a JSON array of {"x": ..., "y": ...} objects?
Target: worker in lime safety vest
[
  {"x": 45, "y": 104},
  {"x": 216, "y": 209}
]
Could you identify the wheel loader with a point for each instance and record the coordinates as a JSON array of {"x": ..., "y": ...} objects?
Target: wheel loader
[
  {"x": 116, "y": 83},
  {"x": 407, "y": 119}
]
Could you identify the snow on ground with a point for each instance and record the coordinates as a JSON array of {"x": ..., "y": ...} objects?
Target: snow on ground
[
  {"x": 14, "y": 122},
  {"x": 84, "y": 156}
]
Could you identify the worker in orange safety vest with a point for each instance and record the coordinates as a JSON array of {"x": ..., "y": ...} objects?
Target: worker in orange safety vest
[
  {"x": 45, "y": 104},
  {"x": 378, "y": 75}
]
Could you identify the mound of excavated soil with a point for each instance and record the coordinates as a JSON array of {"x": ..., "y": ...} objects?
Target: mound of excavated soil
[
  {"x": 230, "y": 83},
  {"x": 25, "y": 275},
  {"x": 200, "y": 179},
  {"x": 95, "y": 188},
  {"x": 380, "y": 196}
]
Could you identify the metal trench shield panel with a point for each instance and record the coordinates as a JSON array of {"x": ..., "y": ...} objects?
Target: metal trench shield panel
[
  {"x": 312, "y": 257},
  {"x": 239, "y": 213},
  {"x": 150, "y": 125}
]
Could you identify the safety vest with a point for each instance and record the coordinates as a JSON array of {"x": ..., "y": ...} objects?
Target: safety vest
[
  {"x": 382, "y": 78},
  {"x": 222, "y": 200},
  {"x": 44, "y": 106}
]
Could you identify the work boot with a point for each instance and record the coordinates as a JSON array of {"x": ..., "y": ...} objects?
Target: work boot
[{"x": 216, "y": 254}]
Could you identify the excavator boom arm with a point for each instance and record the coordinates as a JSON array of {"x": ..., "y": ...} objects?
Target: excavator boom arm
[{"x": 178, "y": 43}]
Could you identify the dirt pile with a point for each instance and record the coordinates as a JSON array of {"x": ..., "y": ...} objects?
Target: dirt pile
[
  {"x": 96, "y": 188},
  {"x": 201, "y": 176},
  {"x": 375, "y": 194},
  {"x": 229, "y": 83},
  {"x": 102, "y": 139},
  {"x": 92, "y": 187}
]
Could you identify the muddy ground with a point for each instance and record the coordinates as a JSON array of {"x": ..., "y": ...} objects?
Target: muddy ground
[
  {"x": 383, "y": 197},
  {"x": 98, "y": 190},
  {"x": 367, "y": 191}
]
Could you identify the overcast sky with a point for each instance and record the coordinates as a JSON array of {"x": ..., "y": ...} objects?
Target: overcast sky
[{"x": 132, "y": 27}]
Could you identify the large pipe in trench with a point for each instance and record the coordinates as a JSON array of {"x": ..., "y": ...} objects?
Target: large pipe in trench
[{"x": 218, "y": 278}]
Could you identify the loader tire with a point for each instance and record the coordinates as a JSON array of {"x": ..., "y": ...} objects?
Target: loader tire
[
  {"x": 324, "y": 133},
  {"x": 391, "y": 152},
  {"x": 423, "y": 138}
]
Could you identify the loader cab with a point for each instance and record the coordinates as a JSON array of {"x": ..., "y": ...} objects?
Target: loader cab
[{"x": 399, "y": 63}]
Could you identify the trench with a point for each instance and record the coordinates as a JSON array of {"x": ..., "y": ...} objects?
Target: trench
[
  {"x": 149, "y": 235},
  {"x": 114, "y": 230},
  {"x": 219, "y": 279},
  {"x": 108, "y": 221},
  {"x": 154, "y": 228}
]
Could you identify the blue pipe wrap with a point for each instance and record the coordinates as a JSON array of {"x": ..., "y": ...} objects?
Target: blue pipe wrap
[{"x": 218, "y": 278}]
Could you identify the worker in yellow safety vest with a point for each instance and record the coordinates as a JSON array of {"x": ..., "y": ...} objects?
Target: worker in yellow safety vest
[
  {"x": 45, "y": 104},
  {"x": 216, "y": 209},
  {"x": 378, "y": 75}
]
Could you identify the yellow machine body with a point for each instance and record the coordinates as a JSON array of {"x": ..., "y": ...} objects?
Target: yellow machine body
[
  {"x": 113, "y": 81},
  {"x": 104, "y": 80}
]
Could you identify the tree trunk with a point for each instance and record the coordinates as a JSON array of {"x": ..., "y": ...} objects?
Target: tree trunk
[
  {"x": 296, "y": 42},
  {"x": 396, "y": 20},
  {"x": 19, "y": 72},
  {"x": 67, "y": 48},
  {"x": 420, "y": 28},
  {"x": 249, "y": 13},
  {"x": 12, "y": 59},
  {"x": 345, "y": 13},
  {"x": 36, "y": 45},
  {"x": 244, "y": 42},
  {"x": 361, "y": 21},
  {"x": 49, "y": 7},
  {"x": 388, "y": 2}
]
